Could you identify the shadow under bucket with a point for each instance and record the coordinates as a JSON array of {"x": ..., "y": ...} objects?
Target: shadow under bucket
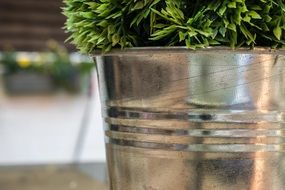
[{"x": 177, "y": 119}]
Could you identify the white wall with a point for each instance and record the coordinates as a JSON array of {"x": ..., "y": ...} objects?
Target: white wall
[{"x": 44, "y": 129}]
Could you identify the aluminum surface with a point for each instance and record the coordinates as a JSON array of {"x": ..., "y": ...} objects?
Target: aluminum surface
[{"x": 180, "y": 120}]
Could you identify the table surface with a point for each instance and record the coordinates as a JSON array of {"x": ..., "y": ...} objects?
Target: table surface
[{"x": 65, "y": 177}]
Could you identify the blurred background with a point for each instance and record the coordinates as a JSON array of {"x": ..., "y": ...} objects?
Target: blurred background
[{"x": 51, "y": 136}]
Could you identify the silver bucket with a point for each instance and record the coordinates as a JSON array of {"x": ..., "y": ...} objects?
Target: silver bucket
[{"x": 210, "y": 119}]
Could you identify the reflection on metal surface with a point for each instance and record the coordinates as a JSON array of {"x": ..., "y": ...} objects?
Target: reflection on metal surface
[{"x": 178, "y": 120}]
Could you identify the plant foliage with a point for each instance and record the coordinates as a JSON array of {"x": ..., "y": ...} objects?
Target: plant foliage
[
  {"x": 54, "y": 62},
  {"x": 105, "y": 24}
]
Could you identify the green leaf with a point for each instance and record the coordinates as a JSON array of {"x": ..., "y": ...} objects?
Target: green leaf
[
  {"x": 247, "y": 18},
  {"x": 232, "y": 27},
  {"x": 232, "y": 5},
  {"x": 181, "y": 36},
  {"x": 115, "y": 39},
  {"x": 277, "y": 32},
  {"x": 254, "y": 14},
  {"x": 222, "y": 10},
  {"x": 138, "y": 5},
  {"x": 222, "y": 31}
]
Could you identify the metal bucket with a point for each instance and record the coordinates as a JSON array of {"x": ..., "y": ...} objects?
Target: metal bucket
[{"x": 210, "y": 119}]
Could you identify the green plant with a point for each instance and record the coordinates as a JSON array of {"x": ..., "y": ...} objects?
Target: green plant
[
  {"x": 54, "y": 62},
  {"x": 104, "y": 24}
]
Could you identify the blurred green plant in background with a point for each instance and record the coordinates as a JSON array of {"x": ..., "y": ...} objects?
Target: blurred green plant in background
[{"x": 55, "y": 63}]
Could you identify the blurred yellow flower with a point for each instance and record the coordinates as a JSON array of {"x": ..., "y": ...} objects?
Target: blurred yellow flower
[{"x": 23, "y": 61}]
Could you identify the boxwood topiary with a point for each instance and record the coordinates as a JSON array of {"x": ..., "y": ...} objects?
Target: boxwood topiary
[{"x": 107, "y": 24}]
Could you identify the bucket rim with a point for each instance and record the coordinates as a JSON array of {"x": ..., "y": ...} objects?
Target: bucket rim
[{"x": 184, "y": 49}]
